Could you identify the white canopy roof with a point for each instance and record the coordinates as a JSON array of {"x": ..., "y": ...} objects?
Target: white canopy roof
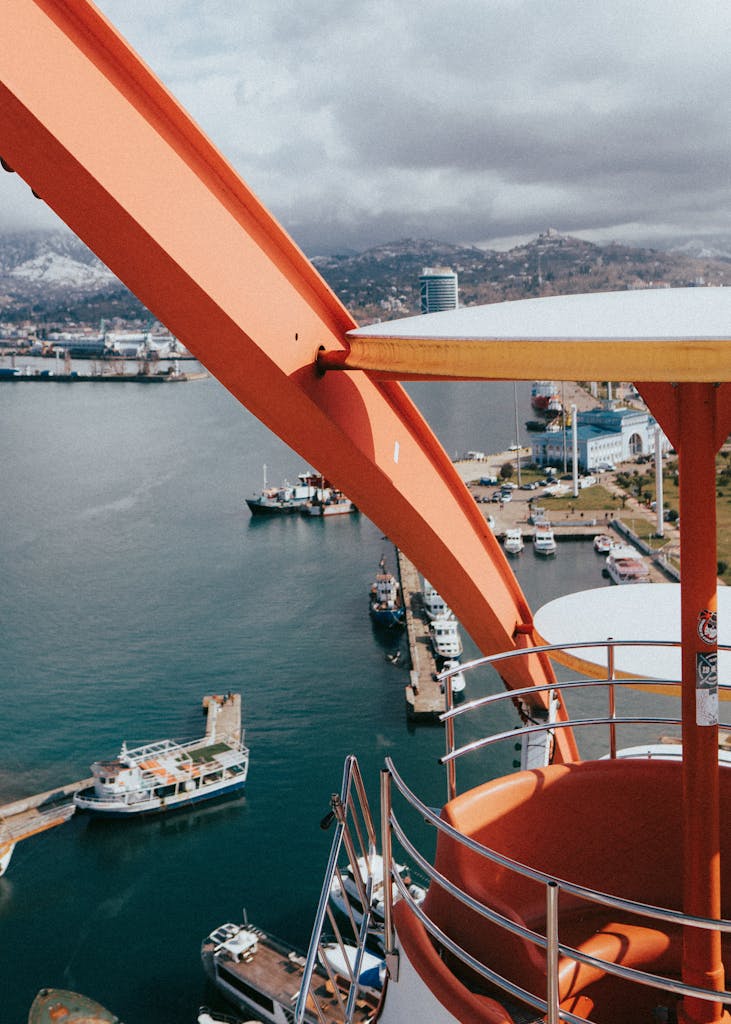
[
  {"x": 641, "y": 611},
  {"x": 662, "y": 314}
]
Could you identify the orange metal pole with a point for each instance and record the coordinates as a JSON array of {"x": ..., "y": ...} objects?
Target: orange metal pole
[{"x": 702, "y": 964}]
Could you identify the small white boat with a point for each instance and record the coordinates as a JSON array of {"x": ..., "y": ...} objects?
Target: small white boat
[
  {"x": 513, "y": 543},
  {"x": 625, "y": 565},
  {"x": 445, "y": 638},
  {"x": 457, "y": 680},
  {"x": 345, "y": 894},
  {"x": 164, "y": 775},
  {"x": 341, "y": 959},
  {"x": 603, "y": 543},
  {"x": 434, "y": 605},
  {"x": 544, "y": 543}
]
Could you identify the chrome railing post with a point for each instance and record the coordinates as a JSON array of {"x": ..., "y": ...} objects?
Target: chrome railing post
[
  {"x": 552, "y": 992},
  {"x": 612, "y": 702},
  {"x": 449, "y": 739},
  {"x": 388, "y": 935}
]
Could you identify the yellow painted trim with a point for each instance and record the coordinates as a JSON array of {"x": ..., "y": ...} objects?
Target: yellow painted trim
[{"x": 523, "y": 359}]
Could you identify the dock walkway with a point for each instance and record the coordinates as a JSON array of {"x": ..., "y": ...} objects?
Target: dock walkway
[{"x": 424, "y": 699}]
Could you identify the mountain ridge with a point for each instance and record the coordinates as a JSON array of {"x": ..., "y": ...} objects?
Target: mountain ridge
[{"x": 52, "y": 276}]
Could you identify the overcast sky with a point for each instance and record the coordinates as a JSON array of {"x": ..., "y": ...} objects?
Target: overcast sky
[{"x": 477, "y": 121}]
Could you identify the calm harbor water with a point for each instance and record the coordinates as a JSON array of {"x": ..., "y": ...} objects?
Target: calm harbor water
[{"x": 135, "y": 582}]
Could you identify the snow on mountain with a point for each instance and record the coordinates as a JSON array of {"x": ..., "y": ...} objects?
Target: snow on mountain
[
  {"x": 57, "y": 270},
  {"x": 702, "y": 251}
]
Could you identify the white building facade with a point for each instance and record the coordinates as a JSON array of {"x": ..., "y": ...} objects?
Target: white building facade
[
  {"x": 439, "y": 289},
  {"x": 605, "y": 437}
]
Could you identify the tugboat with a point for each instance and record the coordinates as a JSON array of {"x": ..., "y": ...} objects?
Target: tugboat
[
  {"x": 386, "y": 604},
  {"x": 285, "y": 499}
]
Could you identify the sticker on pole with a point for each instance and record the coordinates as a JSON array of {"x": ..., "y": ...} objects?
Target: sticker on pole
[
  {"x": 708, "y": 626},
  {"x": 706, "y": 689}
]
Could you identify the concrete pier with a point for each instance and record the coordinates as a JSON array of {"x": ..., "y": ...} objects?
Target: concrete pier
[
  {"x": 424, "y": 699},
  {"x": 223, "y": 721}
]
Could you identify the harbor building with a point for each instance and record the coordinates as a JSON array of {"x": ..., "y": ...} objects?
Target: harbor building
[
  {"x": 438, "y": 288},
  {"x": 606, "y": 435}
]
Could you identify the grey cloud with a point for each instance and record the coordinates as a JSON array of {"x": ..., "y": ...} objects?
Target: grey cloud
[{"x": 361, "y": 123}]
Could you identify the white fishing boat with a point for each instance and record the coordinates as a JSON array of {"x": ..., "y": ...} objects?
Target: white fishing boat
[
  {"x": 434, "y": 605},
  {"x": 513, "y": 542},
  {"x": 163, "y": 776},
  {"x": 544, "y": 542},
  {"x": 603, "y": 543},
  {"x": 624, "y": 565},
  {"x": 445, "y": 638},
  {"x": 285, "y": 498}
]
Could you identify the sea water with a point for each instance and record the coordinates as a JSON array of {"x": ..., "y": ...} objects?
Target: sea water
[{"x": 134, "y": 582}]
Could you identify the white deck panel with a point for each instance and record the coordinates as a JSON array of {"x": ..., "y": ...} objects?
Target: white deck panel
[
  {"x": 662, "y": 314},
  {"x": 640, "y": 611}
]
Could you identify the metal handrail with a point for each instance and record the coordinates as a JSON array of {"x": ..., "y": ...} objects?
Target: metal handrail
[
  {"x": 575, "y": 645},
  {"x": 526, "y": 694},
  {"x": 549, "y": 942},
  {"x": 355, "y": 834}
]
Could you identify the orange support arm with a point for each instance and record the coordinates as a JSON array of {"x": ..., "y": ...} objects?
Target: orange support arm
[{"x": 111, "y": 151}]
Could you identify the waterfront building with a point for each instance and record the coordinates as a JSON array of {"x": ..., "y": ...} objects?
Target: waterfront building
[
  {"x": 605, "y": 435},
  {"x": 438, "y": 288}
]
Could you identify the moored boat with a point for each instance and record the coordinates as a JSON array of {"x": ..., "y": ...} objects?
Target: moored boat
[
  {"x": 386, "y": 603},
  {"x": 330, "y": 502},
  {"x": 625, "y": 565},
  {"x": 163, "y": 776},
  {"x": 513, "y": 542},
  {"x": 457, "y": 679},
  {"x": 258, "y": 973},
  {"x": 544, "y": 542},
  {"x": 445, "y": 639},
  {"x": 544, "y": 395},
  {"x": 58, "y": 1006},
  {"x": 347, "y": 887},
  {"x": 434, "y": 604},
  {"x": 286, "y": 498},
  {"x": 603, "y": 543},
  {"x": 7, "y": 845}
]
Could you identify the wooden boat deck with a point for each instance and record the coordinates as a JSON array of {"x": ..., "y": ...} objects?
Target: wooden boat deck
[{"x": 276, "y": 971}]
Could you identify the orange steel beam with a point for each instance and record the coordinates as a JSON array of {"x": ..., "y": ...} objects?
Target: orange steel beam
[{"x": 99, "y": 138}]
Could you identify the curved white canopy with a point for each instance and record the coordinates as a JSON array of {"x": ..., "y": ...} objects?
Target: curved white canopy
[
  {"x": 641, "y": 611},
  {"x": 662, "y": 314}
]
